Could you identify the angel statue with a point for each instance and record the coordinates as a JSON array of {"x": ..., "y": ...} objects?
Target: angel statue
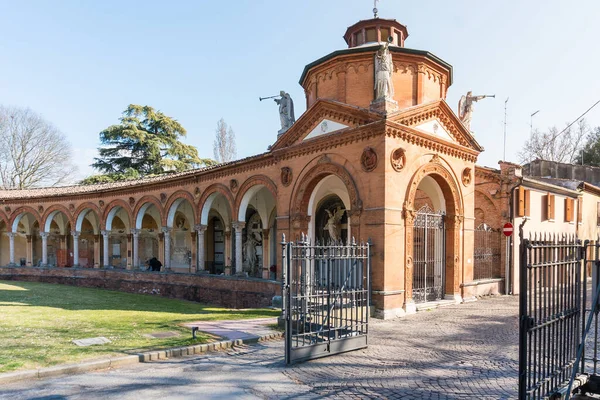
[
  {"x": 465, "y": 107},
  {"x": 334, "y": 226}
]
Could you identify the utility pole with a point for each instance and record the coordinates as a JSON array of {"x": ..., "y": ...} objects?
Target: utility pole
[{"x": 505, "y": 105}]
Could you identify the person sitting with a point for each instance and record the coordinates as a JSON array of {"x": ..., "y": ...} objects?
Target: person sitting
[{"x": 155, "y": 265}]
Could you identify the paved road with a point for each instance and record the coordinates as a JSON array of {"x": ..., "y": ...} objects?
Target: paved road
[{"x": 468, "y": 351}]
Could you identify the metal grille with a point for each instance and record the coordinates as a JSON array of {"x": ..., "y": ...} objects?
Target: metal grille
[
  {"x": 429, "y": 256},
  {"x": 549, "y": 312},
  {"x": 326, "y": 292},
  {"x": 487, "y": 253}
]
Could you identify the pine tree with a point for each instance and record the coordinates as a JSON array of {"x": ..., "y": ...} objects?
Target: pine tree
[{"x": 145, "y": 143}]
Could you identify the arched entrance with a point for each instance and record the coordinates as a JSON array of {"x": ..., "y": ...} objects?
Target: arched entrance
[
  {"x": 328, "y": 208},
  {"x": 433, "y": 219}
]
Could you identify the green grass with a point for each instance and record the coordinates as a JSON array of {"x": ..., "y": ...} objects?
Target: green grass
[{"x": 38, "y": 321}]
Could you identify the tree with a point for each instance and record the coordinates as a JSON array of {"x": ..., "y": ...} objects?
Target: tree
[
  {"x": 33, "y": 152},
  {"x": 145, "y": 143},
  {"x": 224, "y": 146},
  {"x": 555, "y": 146},
  {"x": 591, "y": 150}
]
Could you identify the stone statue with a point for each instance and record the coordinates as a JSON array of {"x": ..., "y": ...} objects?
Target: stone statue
[
  {"x": 465, "y": 107},
  {"x": 250, "y": 250},
  {"x": 384, "y": 67},
  {"x": 286, "y": 111},
  {"x": 334, "y": 226}
]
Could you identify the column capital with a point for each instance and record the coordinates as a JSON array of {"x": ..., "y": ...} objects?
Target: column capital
[
  {"x": 75, "y": 233},
  {"x": 238, "y": 225},
  {"x": 44, "y": 235},
  {"x": 166, "y": 230},
  {"x": 200, "y": 228},
  {"x": 11, "y": 234},
  {"x": 135, "y": 232},
  {"x": 105, "y": 233},
  {"x": 265, "y": 233}
]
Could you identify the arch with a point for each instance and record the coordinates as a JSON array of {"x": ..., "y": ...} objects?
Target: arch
[
  {"x": 454, "y": 207},
  {"x": 208, "y": 197},
  {"x": 82, "y": 211},
  {"x": 4, "y": 218},
  {"x": 111, "y": 209},
  {"x": 252, "y": 186},
  {"x": 305, "y": 186},
  {"x": 176, "y": 198},
  {"x": 18, "y": 214},
  {"x": 140, "y": 209},
  {"x": 51, "y": 212}
]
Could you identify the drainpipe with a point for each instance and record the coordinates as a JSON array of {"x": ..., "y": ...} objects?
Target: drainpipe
[{"x": 509, "y": 263}]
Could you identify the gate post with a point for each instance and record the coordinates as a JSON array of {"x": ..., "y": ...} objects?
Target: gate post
[
  {"x": 285, "y": 292},
  {"x": 523, "y": 318}
]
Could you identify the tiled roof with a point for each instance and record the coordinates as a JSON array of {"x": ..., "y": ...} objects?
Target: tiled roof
[{"x": 13, "y": 194}]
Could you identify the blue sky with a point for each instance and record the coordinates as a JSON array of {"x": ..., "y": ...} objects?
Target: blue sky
[{"x": 80, "y": 63}]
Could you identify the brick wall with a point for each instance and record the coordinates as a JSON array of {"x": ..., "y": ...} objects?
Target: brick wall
[{"x": 225, "y": 291}]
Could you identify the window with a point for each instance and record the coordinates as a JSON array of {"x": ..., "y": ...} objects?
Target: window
[
  {"x": 523, "y": 204},
  {"x": 358, "y": 38},
  {"x": 385, "y": 33},
  {"x": 569, "y": 205},
  {"x": 548, "y": 205},
  {"x": 371, "y": 35}
]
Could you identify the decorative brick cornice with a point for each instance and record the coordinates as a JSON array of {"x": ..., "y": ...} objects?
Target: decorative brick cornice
[{"x": 430, "y": 142}]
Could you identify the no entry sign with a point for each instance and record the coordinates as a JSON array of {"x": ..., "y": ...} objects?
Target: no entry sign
[{"x": 508, "y": 229}]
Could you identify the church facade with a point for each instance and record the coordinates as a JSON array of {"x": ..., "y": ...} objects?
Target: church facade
[{"x": 378, "y": 156}]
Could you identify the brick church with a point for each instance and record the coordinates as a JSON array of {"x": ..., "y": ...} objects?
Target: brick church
[{"x": 378, "y": 146}]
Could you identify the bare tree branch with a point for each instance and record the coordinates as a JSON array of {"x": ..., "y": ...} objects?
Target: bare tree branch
[
  {"x": 224, "y": 146},
  {"x": 33, "y": 152},
  {"x": 551, "y": 146}
]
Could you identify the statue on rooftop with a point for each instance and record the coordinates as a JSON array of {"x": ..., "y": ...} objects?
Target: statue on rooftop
[
  {"x": 286, "y": 111},
  {"x": 384, "y": 88},
  {"x": 465, "y": 107}
]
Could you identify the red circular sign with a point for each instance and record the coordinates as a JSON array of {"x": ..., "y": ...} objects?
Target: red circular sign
[{"x": 508, "y": 229}]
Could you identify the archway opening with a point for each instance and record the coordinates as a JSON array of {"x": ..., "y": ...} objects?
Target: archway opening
[
  {"x": 117, "y": 250},
  {"x": 328, "y": 208},
  {"x": 180, "y": 220},
  {"x": 216, "y": 249},
  {"x": 87, "y": 226}
]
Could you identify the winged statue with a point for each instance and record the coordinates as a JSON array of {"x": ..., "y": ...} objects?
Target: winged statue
[
  {"x": 465, "y": 107},
  {"x": 334, "y": 226}
]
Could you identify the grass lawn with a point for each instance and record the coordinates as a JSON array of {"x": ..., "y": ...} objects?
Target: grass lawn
[{"x": 38, "y": 321}]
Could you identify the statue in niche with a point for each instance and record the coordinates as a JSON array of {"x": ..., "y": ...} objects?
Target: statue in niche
[
  {"x": 286, "y": 111},
  {"x": 465, "y": 107},
  {"x": 334, "y": 224},
  {"x": 384, "y": 88}
]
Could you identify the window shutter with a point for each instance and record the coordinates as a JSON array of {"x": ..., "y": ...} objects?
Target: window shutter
[
  {"x": 598, "y": 214},
  {"x": 527, "y": 203},
  {"x": 551, "y": 206},
  {"x": 580, "y": 210},
  {"x": 568, "y": 210},
  {"x": 521, "y": 202}
]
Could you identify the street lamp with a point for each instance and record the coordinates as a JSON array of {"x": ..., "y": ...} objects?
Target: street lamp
[{"x": 531, "y": 122}]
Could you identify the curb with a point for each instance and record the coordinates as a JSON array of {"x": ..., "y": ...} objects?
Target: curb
[{"x": 115, "y": 362}]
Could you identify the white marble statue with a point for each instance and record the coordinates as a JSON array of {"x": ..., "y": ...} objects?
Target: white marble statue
[
  {"x": 465, "y": 107},
  {"x": 384, "y": 88},
  {"x": 334, "y": 225},
  {"x": 286, "y": 111},
  {"x": 250, "y": 250}
]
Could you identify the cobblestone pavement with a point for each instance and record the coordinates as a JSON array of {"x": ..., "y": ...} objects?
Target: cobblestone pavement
[{"x": 467, "y": 351}]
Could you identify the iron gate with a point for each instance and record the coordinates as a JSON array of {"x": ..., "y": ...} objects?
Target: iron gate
[
  {"x": 326, "y": 298},
  {"x": 487, "y": 253},
  {"x": 550, "y": 313},
  {"x": 429, "y": 255}
]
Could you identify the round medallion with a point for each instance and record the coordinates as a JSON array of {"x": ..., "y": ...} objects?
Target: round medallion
[
  {"x": 398, "y": 159},
  {"x": 466, "y": 176},
  {"x": 286, "y": 176},
  {"x": 368, "y": 160}
]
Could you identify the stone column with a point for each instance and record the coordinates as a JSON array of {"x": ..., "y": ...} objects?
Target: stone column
[
  {"x": 238, "y": 226},
  {"x": 167, "y": 240},
  {"x": 266, "y": 249},
  {"x": 75, "y": 235},
  {"x": 96, "y": 251},
  {"x": 227, "y": 269},
  {"x": 201, "y": 229},
  {"x": 136, "y": 248},
  {"x": 105, "y": 261},
  {"x": 29, "y": 256},
  {"x": 44, "y": 236},
  {"x": 11, "y": 237}
]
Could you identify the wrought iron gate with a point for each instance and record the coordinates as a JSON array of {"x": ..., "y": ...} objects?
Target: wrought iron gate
[
  {"x": 326, "y": 293},
  {"x": 487, "y": 255},
  {"x": 429, "y": 253}
]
